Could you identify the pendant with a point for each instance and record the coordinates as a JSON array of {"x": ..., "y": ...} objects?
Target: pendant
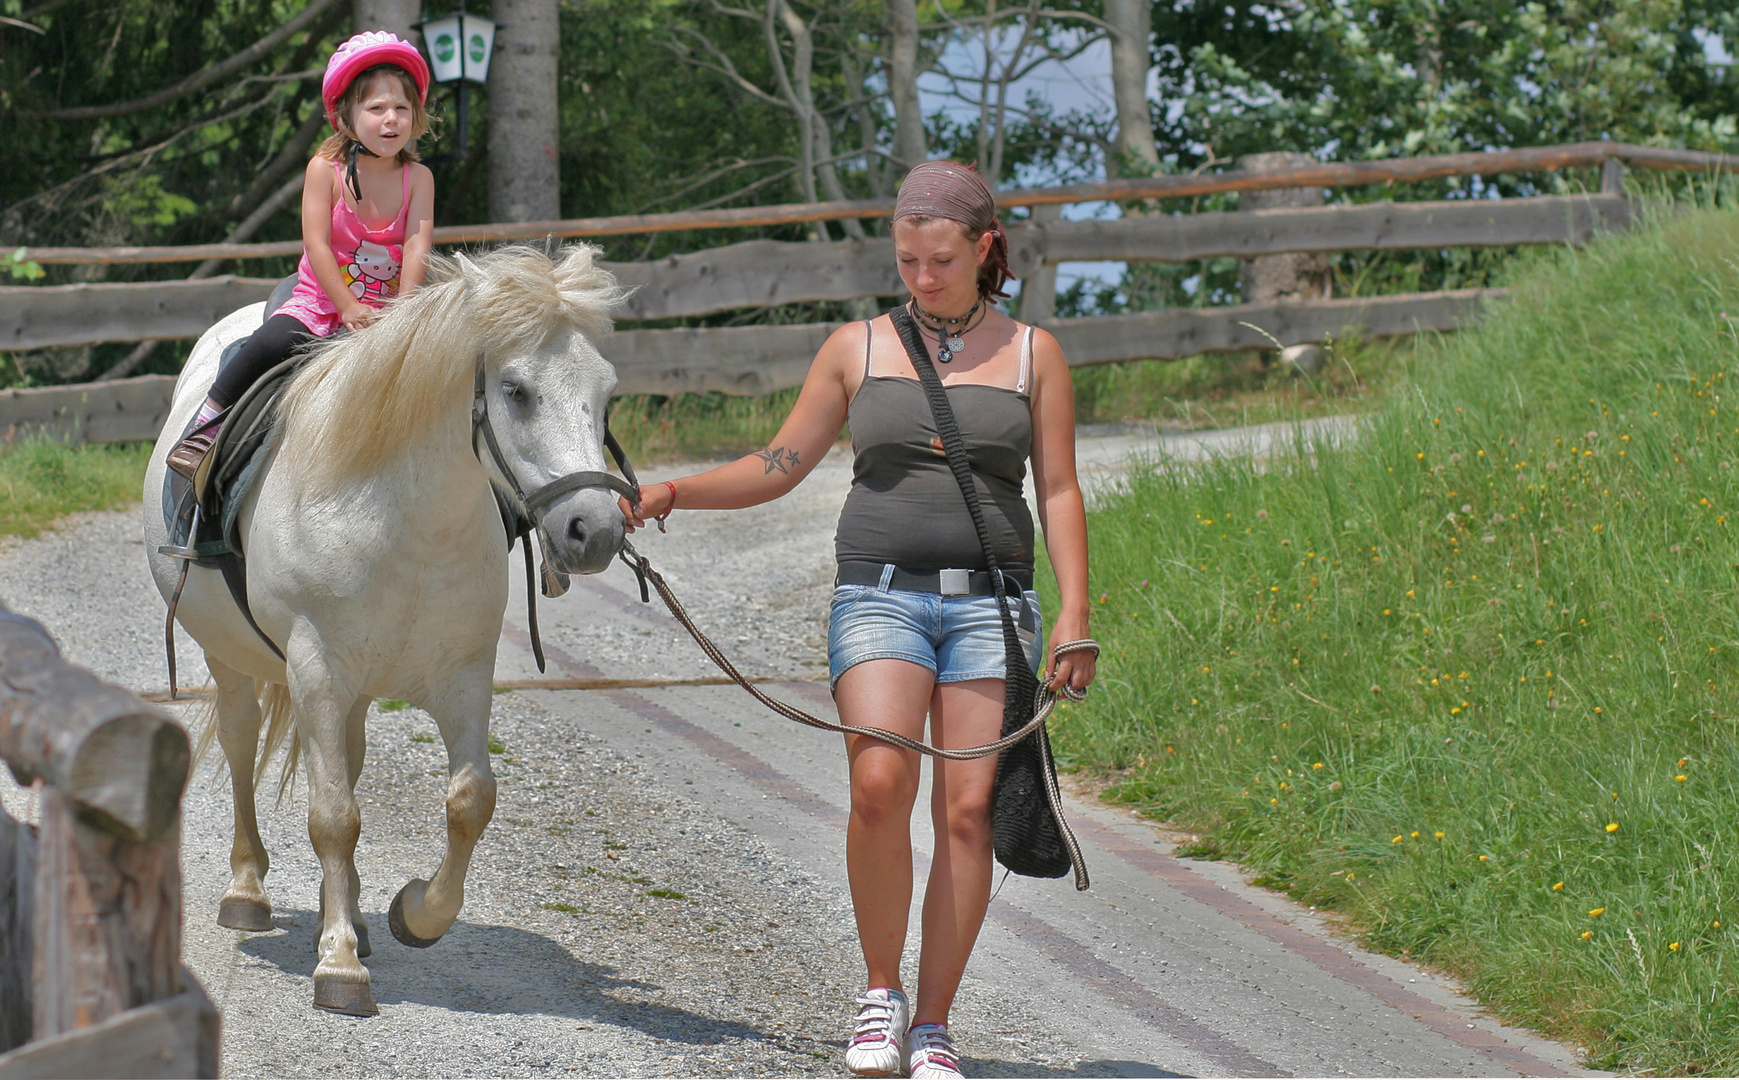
[
  {"x": 955, "y": 345},
  {"x": 944, "y": 355}
]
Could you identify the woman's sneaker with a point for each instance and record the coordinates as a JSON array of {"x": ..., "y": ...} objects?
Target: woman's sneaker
[
  {"x": 882, "y": 1016},
  {"x": 930, "y": 1054}
]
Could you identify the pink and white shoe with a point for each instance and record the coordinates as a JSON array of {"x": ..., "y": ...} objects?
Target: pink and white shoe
[
  {"x": 930, "y": 1054},
  {"x": 876, "y": 1040}
]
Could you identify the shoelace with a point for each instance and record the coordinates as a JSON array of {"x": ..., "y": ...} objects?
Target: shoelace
[
  {"x": 936, "y": 1048},
  {"x": 875, "y": 1021}
]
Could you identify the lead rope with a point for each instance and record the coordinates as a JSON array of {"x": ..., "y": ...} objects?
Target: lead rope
[{"x": 1046, "y": 700}]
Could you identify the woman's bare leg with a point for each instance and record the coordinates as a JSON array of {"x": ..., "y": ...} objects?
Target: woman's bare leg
[
  {"x": 961, "y": 714},
  {"x": 894, "y": 695}
]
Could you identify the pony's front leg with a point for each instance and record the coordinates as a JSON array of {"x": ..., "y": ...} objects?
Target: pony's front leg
[
  {"x": 245, "y": 905},
  {"x": 341, "y": 983},
  {"x": 425, "y": 910}
]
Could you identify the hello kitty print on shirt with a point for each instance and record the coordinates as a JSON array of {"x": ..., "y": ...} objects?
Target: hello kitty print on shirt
[{"x": 372, "y": 274}]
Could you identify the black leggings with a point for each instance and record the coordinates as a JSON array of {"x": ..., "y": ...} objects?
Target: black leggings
[{"x": 269, "y": 346}]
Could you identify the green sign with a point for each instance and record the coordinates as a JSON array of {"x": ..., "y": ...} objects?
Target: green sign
[
  {"x": 444, "y": 48},
  {"x": 477, "y": 48}
]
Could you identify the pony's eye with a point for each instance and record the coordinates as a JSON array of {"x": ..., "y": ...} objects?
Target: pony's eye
[{"x": 513, "y": 392}]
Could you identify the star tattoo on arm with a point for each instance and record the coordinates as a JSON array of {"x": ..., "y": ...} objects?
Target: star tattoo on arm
[{"x": 774, "y": 458}]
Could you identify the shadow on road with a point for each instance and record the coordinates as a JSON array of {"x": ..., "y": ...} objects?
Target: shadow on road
[{"x": 498, "y": 970}]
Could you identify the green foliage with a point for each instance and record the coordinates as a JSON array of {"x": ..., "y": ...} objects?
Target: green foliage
[
  {"x": 1374, "y": 78},
  {"x": 42, "y": 481},
  {"x": 1485, "y": 649},
  {"x": 20, "y": 268}
]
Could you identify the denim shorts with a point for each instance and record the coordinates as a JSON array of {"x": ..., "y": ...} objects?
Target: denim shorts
[{"x": 957, "y": 637}]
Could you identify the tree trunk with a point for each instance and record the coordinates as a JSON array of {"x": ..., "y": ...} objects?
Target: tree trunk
[
  {"x": 524, "y": 178},
  {"x": 1133, "y": 153},
  {"x": 394, "y": 15},
  {"x": 910, "y": 146}
]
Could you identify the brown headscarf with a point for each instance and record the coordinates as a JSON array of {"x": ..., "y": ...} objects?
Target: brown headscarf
[{"x": 948, "y": 189}]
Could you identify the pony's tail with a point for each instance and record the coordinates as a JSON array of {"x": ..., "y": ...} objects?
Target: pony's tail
[
  {"x": 204, "y": 721},
  {"x": 275, "y": 708},
  {"x": 275, "y": 713}
]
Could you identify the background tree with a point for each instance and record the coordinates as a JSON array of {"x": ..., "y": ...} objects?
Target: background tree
[{"x": 524, "y": 136}]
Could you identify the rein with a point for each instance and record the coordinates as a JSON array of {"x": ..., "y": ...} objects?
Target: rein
[
  {"x": 1046, "y": 700},
  {"x": 528, "y": 517},
  {"x": 528, "y": 509}
]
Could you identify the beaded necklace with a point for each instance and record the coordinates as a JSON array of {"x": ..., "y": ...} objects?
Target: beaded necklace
[{"x": 949, "y": 342}]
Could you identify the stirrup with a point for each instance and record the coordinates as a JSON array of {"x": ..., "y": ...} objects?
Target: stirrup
[{"x": 189, "y": 550}]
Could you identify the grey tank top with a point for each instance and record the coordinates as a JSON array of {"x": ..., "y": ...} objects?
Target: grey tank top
[{"x": 905, "y": 506}]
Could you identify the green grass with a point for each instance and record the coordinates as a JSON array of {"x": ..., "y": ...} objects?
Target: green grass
[
  {"x": 1237, "y": 389},
  {"x": 1201, "y": 392},
  {"x": 696, "y": 427},
  {"x": 1487, "y": 648},
  {"x": 41, "y": 481}
]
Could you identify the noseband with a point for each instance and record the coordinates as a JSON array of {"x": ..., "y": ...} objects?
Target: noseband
[{"x": 527, "y": 510}]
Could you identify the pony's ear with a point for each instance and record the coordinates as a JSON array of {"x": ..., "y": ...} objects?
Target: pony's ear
[
  {"x": 590, "y": 292},
  {"x": 442, "y": 268}
]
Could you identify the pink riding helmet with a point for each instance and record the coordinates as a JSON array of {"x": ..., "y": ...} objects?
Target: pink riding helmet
[{"x": 362, "y": 52}]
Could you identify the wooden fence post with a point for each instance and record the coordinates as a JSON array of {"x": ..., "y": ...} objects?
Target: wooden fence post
[
  {"x": 108, "y": 920},
  {"x": 1038, "y": 292},
  {"x": 1612, "y": 177},
  {"x": 1296, "y": 276}
]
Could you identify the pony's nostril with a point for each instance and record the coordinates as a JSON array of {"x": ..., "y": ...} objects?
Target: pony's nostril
[{"x": 577, "y": 531}]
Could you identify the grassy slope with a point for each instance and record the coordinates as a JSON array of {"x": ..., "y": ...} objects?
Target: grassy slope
[
  {"x": 1470, "y": 679},
  {"x": 41, "y": 481}
]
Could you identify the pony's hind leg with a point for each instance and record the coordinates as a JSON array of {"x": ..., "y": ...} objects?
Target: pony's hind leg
[
  {"x": 341, "y": 983},
  {"x": 425, "y": 910},
  {"x": 244, "y": 905}
]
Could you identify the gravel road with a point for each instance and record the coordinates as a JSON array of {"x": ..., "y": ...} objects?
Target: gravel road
[{"x": 662, "y": 891}]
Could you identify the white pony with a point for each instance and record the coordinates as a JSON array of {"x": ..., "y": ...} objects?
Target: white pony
[{"x": 377, "y": 558}]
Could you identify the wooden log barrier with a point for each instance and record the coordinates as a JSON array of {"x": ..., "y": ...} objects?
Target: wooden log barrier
[
  {"x": 17, "y": 920},
  {"x": 99, "y": 884},
  {"x": 123, "y": 763},
  {"x": 175, "y": 1037}
]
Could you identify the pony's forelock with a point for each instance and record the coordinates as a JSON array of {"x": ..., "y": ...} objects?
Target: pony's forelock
[{"x": 365, "y": 397}]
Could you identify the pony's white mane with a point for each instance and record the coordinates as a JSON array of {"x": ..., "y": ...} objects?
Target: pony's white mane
[{"x": 369, "y": 396}]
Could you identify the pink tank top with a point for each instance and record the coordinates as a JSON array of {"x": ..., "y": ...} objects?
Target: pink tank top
[{"x": 369, "y": 260}]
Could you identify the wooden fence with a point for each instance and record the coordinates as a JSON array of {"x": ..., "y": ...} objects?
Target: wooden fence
[
  {"x": 91, "y": 979},
  {"x": 761, "y": 358}
]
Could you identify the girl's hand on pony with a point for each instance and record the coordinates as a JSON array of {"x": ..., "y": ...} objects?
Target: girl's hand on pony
[{"x": 358, "y": 316}]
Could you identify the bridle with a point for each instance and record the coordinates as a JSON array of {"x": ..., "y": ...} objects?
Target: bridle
[{"x": 526, "y": 511}]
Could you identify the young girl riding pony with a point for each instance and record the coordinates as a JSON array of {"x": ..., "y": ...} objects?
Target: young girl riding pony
[{"x": 367, "y": 220}]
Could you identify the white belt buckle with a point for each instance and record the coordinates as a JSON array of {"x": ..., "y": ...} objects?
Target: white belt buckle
[{"x": 955, "y": 582}]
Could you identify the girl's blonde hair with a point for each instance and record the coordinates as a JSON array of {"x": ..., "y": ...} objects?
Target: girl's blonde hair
[{"x": 337, "y": 146}]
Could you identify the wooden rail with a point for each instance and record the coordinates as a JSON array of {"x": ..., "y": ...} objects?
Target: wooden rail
[
  {"x": 750, "y": 360},
  {"x": 1330, "y": 174},
  {"x": 766, "y": 272},
  {"x": 91, "y": 980}
]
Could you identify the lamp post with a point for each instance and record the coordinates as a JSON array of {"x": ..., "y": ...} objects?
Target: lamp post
[{"x": 460, "y": 46}]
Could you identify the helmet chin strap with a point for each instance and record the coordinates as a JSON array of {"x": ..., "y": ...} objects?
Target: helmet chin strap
[{"x": 355, "y": 184}]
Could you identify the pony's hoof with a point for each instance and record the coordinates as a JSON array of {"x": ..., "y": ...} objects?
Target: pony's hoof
[
  {"x": 239, "y": 913},
  {"x": 345, "y": 996},
  {"x": 395, "y": 919}
]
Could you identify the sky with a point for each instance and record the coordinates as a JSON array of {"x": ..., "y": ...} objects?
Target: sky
[{"x": 1082, "y": 82}]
